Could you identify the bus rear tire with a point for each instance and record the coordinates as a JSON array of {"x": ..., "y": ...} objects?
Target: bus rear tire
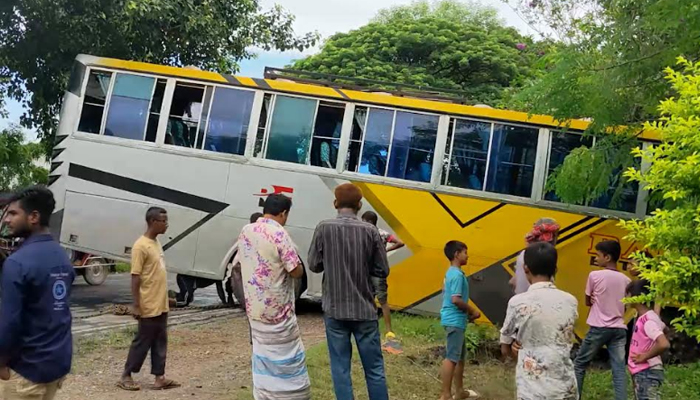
[
  {"x": 300, "y": 286},
  {"x": 95, "y": 272}
]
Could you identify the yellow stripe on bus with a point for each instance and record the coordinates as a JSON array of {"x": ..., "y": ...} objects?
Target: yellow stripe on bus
[
  {"x": 161, "y": 70},
  {"x": 359, "y": 96},
  {"x": 309, "y": 90}
]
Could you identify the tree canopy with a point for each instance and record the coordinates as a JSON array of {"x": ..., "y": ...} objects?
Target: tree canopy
[
  {"x": 18, "y": 161},
  {"x": 608, "y": 68},
  {"x": 448, "y": 44},
  {"x": 674, "y": 174},
  {"x": 39, "y": 40}
]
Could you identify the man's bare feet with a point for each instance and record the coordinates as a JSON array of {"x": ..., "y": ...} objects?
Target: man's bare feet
[{"x": 446, "y": 397}]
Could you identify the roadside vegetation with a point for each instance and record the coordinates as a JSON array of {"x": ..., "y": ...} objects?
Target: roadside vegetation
[
  {"x": 122, "y": 268},
  {"x": 414, "y": 375}
]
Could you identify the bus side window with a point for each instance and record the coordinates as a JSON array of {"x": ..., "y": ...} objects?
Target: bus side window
[
  {"x": 228, "y": 121},
  {"x": 466, "y": 162},
  {"x": 561, "y": 145},
  {"x": 289, "y": 133},
  {"x": 622, "y": 199},
  {"x": 512, "y": 160},
  {"x": 326, "y": 135},
  {"x": 94, "y": 101},
  {"x": 129, "y": 106},
  {"x": 397, "y": 144},
  {"x": 413, "y": 146},
  {"x": 185, "y": 113},
  {"x": 376, "y": 142}
]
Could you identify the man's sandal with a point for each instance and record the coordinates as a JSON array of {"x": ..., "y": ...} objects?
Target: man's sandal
[{"x": 128, "y": 385}]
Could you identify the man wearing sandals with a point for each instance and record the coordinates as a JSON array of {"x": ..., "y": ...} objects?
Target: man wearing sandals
[{"x": 149, "y": 286}]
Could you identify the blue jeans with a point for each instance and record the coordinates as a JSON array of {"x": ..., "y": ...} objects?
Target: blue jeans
[
  {"x": 370, "y": 348},
  {"x": 615, "y": 339},
  {"x": 647, "y": 384}
]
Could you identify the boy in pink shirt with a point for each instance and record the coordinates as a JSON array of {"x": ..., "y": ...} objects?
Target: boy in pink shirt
[
  {"x": 648, "y": 343},
  {"x": 605, "y": 290}
]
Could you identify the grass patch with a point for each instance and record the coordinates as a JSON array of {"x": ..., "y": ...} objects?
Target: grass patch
[
  {"x": 682, "y": 382},
  {"x": 120, "y": 339},
  {"x": 121, "y": 268},
  {"x": 414, "y": 375}
]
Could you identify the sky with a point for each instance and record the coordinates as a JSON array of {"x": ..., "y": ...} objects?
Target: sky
[{"x": 327, "y": 17}]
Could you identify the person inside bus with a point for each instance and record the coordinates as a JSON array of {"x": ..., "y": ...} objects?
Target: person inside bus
[{"x": 544, "y": 230}]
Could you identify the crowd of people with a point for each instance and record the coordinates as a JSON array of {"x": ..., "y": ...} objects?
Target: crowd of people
[
  {"x": 539, "y": 327},
  {"x": 35, "y": 321}
]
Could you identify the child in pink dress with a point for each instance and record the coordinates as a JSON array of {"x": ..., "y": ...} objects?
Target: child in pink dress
[{"x": 648, "y": 343}]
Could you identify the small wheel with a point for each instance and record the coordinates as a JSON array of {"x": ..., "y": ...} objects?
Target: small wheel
[
  {"x": 95, "y": 273},
  {"x": 220, "y": 291}
]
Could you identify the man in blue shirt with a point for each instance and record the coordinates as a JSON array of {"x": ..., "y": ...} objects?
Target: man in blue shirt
[
  {"x": 36, "y": 345},
  {"x": 454, "y": 314}
]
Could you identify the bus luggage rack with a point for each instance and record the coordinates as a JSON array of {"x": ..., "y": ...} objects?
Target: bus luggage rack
[{"x": 369, "y": 85}]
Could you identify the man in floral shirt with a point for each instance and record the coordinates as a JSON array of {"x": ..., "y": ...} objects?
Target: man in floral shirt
[
  {"x": 269, "y": 265},
  {"x": 541, "y": 323}
]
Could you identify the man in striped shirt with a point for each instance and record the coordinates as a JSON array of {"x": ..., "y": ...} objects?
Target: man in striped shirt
[{"x": 350, "y": 252}]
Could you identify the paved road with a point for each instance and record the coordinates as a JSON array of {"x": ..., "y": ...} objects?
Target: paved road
[{"x": 116, "y": 290}]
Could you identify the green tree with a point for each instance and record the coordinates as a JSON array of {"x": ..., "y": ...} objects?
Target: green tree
[
  {"x": 18, "y": 161},
  {"x": 39, "y": 40},
  {"x": 447, "y": 44},
  {"x": 608, "y": 68},
  {"x": 674, "y": 173}
]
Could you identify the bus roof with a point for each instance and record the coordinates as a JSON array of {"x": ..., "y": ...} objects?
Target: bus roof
[{"x": 343, "y": 94}]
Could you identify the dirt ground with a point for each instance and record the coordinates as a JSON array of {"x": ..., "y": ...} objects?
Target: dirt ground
[{"x": 211, "y": 361}]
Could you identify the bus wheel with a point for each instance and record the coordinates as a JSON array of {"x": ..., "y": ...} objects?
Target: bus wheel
[
  {"x": 95, "y": 272},
  {"x": 220, "y": 291},
  {"x": 300, "y": 286}
]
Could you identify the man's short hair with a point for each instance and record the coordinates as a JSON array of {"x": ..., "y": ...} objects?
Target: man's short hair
[
  {"x": 541, "y": 259},
  {"x": 154, "y": 214},
  {"x": 453, "y": 247},
  {"x": 276, "y": 204},
  {"x": 609, "y": 248},
  {"x": 370, "y": 216},
  {"x": 36, "y": 198},
  {"x": 348, "y": 195},
  {"x": 255, "y": 216}
]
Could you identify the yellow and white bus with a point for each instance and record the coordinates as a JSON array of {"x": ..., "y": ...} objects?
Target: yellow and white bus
[{"x": 208, "y": 147}]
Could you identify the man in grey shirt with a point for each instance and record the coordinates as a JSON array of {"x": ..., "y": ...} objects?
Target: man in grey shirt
[{"x": 349, "y": 252}]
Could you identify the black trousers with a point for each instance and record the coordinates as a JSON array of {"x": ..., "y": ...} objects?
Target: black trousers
[{"x": 152, "y": 335}]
